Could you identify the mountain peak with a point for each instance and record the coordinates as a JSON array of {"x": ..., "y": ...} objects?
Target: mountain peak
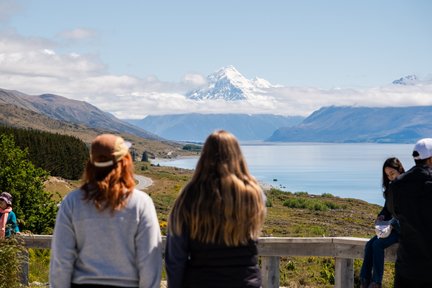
[
  {"x": 407, "y": 80},
  {"x": 228, "y": 84}
]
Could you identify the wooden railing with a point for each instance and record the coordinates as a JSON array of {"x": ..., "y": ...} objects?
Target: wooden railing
[{"x": 270, "y": 249}]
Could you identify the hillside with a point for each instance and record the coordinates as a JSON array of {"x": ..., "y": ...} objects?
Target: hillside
[
  {"x": 71, "y": 111},
  {"x": 17, "y": 111},
  {"x": 360, "y": 124}
]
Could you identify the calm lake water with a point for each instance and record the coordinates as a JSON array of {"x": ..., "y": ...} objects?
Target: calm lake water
[{"x": 344, "y": 170}]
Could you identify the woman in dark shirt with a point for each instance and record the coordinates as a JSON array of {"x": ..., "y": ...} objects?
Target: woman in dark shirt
[
  {"x": 372, "y": 270},
  {"x": 215, "y": 221}
]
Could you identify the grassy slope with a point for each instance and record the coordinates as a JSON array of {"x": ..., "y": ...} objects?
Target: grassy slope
[{"x": 350, "y": 218}]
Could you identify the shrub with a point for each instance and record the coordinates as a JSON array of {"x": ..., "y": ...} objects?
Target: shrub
[
  {"x": 311, "y": 204},
  {"x": 268, "y": 203},
  {"x": 191, "y": 147},
  {"x": 10, "y": 264},
  {"x": 301, "y": 193},
  {"x": 328, "y": 271},
  {"x": 327, "y": 195}
]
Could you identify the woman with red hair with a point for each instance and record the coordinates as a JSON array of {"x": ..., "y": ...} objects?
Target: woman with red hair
[{"x": 107, "y": 233}]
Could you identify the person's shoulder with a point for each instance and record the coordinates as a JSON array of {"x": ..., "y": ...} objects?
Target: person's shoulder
[
  {"x": 73, "y": 196},
  {"x": 74, "y": 193},
  {"x": 414, "y": 173},
  {"x": 423, "y": 172},
  {"x": 140, "y": 196}
]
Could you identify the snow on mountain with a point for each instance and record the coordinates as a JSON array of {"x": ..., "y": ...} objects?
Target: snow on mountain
[
  {"x": 261, "y": 83},
  {"x": 407, "y": 80},
  {"x": 230, "y": 85}
]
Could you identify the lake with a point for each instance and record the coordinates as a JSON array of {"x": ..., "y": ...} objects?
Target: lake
[{"x": 347, "y": 170}]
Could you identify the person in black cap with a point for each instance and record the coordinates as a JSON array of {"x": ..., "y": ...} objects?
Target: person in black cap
[{"x": 411, "y": 200}]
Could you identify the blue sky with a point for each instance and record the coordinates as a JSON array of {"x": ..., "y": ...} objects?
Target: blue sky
[{"x": 158, "y": 49}]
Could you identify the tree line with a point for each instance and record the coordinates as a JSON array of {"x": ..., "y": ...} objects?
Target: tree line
[
  {"x": 61, "y": 155},
  {"x": 27, "y": 159}
]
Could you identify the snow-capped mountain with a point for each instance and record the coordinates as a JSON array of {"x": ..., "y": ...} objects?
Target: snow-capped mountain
[
  {"x": 230, "y": 85},
  {"x": 407, "y": 80}
]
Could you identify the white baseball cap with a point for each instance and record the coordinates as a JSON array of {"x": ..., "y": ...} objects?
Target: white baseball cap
[{"x": 423, "y": 149}]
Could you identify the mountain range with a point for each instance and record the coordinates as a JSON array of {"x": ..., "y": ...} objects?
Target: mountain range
[
  {"x": 328, "y": 124},
  {"x": 360, "y": 124},
  {"x": 196, "y": 127},
  {"x": 58, "y": 114},
  {"x": 226, "y": 84}
]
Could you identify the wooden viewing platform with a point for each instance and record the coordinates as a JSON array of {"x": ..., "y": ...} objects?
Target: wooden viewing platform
[{"x": 270, "y": 249}]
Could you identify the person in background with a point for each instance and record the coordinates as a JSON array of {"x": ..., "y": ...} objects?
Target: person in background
[
  {"x": 8, "y": 221},
  {"x": 216, "y": 220},
  {"x": 372, "y": 270},
  {"x": 411, "y": 200},
  {"x": 106, "y": 233}
]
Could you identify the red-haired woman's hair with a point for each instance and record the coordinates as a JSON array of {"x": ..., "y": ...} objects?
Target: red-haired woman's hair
[{"x": 109, "y": 187}]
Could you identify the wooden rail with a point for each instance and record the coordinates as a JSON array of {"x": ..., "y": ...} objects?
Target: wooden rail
[{"x": 270, "y": 249}]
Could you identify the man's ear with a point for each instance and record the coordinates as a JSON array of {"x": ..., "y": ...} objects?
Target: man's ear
[{"x": 429, "y": 161}]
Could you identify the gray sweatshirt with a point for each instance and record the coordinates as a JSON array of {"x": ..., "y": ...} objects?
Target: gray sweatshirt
[{"x": 92, "y": 247}]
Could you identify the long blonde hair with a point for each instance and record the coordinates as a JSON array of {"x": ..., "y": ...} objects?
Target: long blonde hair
[
  {"x": 109, "y": 187},
  {"x": 222, "y": 203}
]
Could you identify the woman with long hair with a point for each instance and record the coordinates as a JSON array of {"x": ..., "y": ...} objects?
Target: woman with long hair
[
  {"x": 107, "y": 233},
  {"x": 216, "y": 220},
  {"x": 372, "y": 270}
]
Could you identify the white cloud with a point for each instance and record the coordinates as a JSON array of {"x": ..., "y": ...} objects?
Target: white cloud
[
  {"x": 194, "y": 79},
  {"x": 34, "y": 66},
  {"x": 77, "y": 34},
  {"x": 28, "y": 58}
]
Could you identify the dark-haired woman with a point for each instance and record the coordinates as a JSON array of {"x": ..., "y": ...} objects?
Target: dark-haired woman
[{"x": 371, "y": 273}]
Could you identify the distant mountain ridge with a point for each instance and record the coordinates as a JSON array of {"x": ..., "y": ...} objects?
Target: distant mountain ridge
[
  {"x": 360, "y": 124},
  {"x": 196, "y": 127},
  {"x": 71, "y": 111},
  {"x": 230, "y": 85}
]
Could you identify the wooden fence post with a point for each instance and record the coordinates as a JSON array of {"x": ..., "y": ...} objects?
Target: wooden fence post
[
  {"x": 24, "y": 255},
  {"x": 270, "y": 271},
  {"x": 344, "y": 273}
]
